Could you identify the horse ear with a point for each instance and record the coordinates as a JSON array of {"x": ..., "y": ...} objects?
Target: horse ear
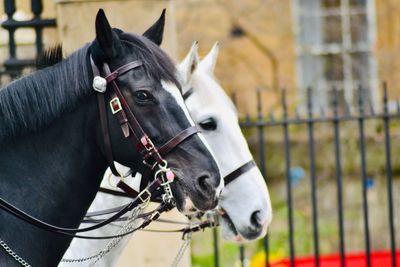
[
  {"x": 209, "y": 61},
  {"x": 106, "y": 39},
  {"x": 156, "y": 31},
  {"x": 189, "y": 64}
]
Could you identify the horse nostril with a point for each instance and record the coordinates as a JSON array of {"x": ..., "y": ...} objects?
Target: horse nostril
[
  {"x": 256, "y": 219},
  {"x": 204, "y": 183}
]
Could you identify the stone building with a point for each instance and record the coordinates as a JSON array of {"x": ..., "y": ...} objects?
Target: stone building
[{"x": 265, "y": 44}]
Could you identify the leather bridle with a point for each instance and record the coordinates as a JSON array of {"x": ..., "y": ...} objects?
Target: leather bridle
[
  {"x": 131, "y": 193},
  {"x": 131, "y": 128}
]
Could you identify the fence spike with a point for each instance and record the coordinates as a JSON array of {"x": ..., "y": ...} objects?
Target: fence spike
[
  {"x": 297, "y": 114},
  {"x": 9, "y": 8},
  {"x": 335, "y": 100},
  {"x": 385, "y": 98},
  {"x": 37, "y": 7},
  {"x": 259, "y": 105},
  {"x": 347, "y": 108},
  {"x": 322, "y": 111},
  {"x": 360, "y": 100},
  {"x": 284, "y": 103},
  {"x": 371, "y": 106},
  {"x": 271, "y": 114},
  {"x": 310, "y": 106},
  {"x": 247, "y": 118}
]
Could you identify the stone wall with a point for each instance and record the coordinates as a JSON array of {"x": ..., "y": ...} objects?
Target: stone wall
[
  {"x": 262, "y": 56},
  {"x": 75, "y": 20},
  {"x": 387, "y": 48}
]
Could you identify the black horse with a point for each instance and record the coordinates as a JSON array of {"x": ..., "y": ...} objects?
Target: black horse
[{"x": 52, "y": 154}]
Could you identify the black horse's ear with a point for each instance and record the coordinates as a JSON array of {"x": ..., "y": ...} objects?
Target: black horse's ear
[
  {"x": 156, "y": 31},
  {"x": 106, "y": 39}
]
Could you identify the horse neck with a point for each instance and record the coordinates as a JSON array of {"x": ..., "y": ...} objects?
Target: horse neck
[{"x": 52, "y": 174}]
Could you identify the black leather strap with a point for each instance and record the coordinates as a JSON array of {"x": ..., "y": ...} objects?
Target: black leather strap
[
  {"x": 239, "y": 171},
  {"x": 179, "y": 138},
  {"x": 188, "y": 93},
  {"x": 71, "y": 231}
]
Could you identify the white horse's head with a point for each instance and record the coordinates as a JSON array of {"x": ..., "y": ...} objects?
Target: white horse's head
[{"x": 246, "y": 206}]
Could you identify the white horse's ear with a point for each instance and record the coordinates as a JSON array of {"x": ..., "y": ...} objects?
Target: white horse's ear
[
  {"x": 209, "y": 61},
  {"x": 189, "y": 64}
]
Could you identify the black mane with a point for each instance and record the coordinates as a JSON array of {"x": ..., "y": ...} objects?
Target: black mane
[
  {"x": 33, "y": 101},
  {"x": 156, "y": 63},
  {"x": 50, "y": 57}
]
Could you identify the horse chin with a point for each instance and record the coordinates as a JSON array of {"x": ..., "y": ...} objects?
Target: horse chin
[
  {"x": 231, "y": 233},
  {"x": 188, "y": 207},
  {"x": 183, "y": 202}
]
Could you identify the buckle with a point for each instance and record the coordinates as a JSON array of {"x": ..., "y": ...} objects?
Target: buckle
[
  {"x": 155, "y": 216},
  {"x": 115, "y": 105},
  {"x": 144, "y": 199},
  {"x": 147, "y": 143}
]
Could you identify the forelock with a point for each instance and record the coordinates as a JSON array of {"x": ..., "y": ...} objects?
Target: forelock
[{"x": 156, "y": 62}]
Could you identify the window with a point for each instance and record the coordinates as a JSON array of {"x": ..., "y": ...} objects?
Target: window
[{"x": 334, "y": 46}]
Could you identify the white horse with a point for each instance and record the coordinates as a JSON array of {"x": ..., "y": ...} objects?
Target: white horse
[{"x": 245, "y": 204}]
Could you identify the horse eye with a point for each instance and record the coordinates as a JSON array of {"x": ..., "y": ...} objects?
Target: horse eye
[
  {"x": 208, "y": 124},
  {"x": 143, "y": 95}
]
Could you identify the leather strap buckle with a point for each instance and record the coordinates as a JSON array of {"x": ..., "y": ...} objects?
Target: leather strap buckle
[
  {"x": 147, "y": 143},
  {"x": 155, "y": 216},
  {"x": 115, "y": 105},
  {"x": 144, "y": 195}
]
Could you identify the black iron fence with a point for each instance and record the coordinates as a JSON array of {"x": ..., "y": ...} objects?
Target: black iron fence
[
  {"x": 14, "y": 65},
  {"x": 333, "y": 118}
]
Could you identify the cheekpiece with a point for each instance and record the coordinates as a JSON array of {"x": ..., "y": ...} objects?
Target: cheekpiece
[{"x": 99, "y": 84}]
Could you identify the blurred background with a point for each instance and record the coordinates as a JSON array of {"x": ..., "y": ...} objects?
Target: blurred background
[{"x": 343, "y": 50}]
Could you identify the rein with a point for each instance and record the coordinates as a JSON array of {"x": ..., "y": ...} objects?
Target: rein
[{"x": 133, "y": 193}]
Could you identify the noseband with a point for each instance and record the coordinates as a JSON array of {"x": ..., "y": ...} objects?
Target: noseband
[{"x": 239, "y": 171}]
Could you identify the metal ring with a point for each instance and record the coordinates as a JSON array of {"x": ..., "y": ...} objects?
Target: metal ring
[{"x": 112, "y": 175}]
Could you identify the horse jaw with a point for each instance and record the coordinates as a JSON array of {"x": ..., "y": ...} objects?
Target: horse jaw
[{"x": 237, "y": 222}]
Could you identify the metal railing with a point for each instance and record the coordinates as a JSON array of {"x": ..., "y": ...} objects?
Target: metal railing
[
  {"x": 335, "y": 115},
  {"x": 13, "y": 66}
]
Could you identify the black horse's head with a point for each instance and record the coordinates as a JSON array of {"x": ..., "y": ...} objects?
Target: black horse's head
[{"x": 153, "y": 94}]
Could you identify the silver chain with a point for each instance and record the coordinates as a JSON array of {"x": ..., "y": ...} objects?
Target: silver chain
[
  {"x": 128, "y": 226},
  {"x": 13, "y": 254},
  {"x": 184, "y": 246}
]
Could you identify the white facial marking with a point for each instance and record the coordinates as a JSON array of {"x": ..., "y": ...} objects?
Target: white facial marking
[
  {"x": 189, "y": 206},
  {"x": 174, "y": 91}
]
